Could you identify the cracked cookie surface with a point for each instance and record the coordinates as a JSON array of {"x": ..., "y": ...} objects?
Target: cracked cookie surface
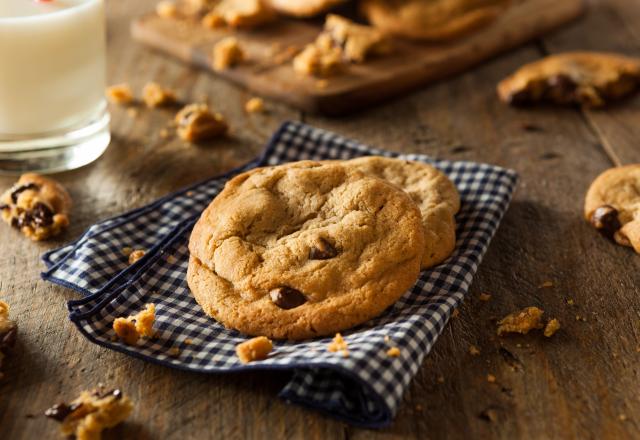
[
  {"x": 431, "y": 20},
  {"x": 433, "y": 192},
  {"x": 591, "y": 79},
  {"x": 304, "y": 250},
  {"x": 612, "y": 205},
  {"x": 37, "y": 206}
]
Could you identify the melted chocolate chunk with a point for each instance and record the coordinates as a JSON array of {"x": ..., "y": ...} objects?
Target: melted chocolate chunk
[
  {"x": 287, "y": 298},
  {"x": 605, "y": 220},
  {"x": 323, "y": 250},
  {"x": 41, "y": 215},
  {"x": 22, "y": 188},
  {"x": 562, "y": 88},
  {"x": 61, "y": 411},
  {"x": 4, "y": 206}
]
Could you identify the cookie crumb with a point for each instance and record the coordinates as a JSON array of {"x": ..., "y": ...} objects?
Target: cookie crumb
[
  {"x": 387, "y": 338},
  {"x": 455, "y": 313},
  {"x": 491, "y": 378},
  {"x": 474, "y": 351},
  {"x": 393, "y": 352},
  {"x": 546, "y": 284},
  {"x": 254, "y": 105},
  {"x": 622, "y": 417},
  {"x": 167, "y": 9},
  {"x": 120, "y": 94},
  {"x": 254, "y": 349},
  {"x": 188, "y": 341},
  {"x": 521, "y": 321},
  {"x": 440, "y": 379},
  {"x": 93, "y": 411},
  {"x": 552, "y": 327},
  {"x": 131, "y": 328},
  {"x": 339, "y": 344},
  {"x": 154, "y": 95},
  {"x": 196, "y": 123},
  {"x": 570, "y": 301},
  {"x": 136, "y": 255},
  {"x": 485, "y": 297},
  {"x": 581, "y": 318},
  {"x": 171, "y": 259},
  {"x": 174, "y": 352},
  {"x": 227, "y": 53}
]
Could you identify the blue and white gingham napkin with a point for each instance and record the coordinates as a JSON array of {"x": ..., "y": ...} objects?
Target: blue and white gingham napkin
[{"x": 364, "y": 388}]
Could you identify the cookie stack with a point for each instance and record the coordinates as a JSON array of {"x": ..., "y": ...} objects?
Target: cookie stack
[{"x": 308, "y": 248}]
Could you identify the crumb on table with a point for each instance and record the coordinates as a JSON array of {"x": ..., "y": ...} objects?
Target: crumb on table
[
  {"x": 196, "y": 123},
  {"x": 485, "y": 297},
  {"x": 254, "y": 349},
  {"x": 120, "y": 94},
  {"x": 491, "y": 378},
  {"x": 521, "y": 321},
  {"x": 154, "y": 95},
  {"x": 339, "y": 344},
  {"x": 254, "y": 105},
  {"x": 227, "y": 53},
  {"x": 473, "y": 350},
  {"x": 552, "y": 327}
]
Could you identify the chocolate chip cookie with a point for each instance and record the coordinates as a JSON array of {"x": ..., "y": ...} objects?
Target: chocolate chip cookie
[
  {"x": 37, "y": 206},
  {"x": 435, "y": 195},
  {"x": 303, "y": 8},
  {"x": 431, "y": 20},
  {"x": 591, "y": 79},
  {"x": 304, "y": 250},
  {"x": 612, "y": 205}
]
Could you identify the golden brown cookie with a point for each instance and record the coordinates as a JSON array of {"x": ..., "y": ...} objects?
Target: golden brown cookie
[
  {"x": 303, "y": 8},
  {"x": 37, "y": 206},
  {"x": 435, "y": 195},
  {"x": 588, "y": 78},
  {"x": 304, "y": 250},
  {"x": 612, "y": 205},
  {"x": 431, "y": 20}
]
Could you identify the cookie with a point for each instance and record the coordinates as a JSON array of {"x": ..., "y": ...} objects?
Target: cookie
[
  {"x": 612, "y": 205},
  {"x": 304, "y": 250},
  {"x": 435, "y": 195},
  {"x": 431, "y": 20},
  {"x": 37, "y": 206},
  {"x": 591, "y": 79},
  {"x": 303, "y": 8}
]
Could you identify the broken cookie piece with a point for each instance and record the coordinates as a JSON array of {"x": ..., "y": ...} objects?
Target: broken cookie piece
[
  {"x": 120, "y": 94},
  {"x": 136, "y": 255},
  {"x": 591, "y": 79},
  {"x": 255, "y": 349},
  {"x": 357, "y": 41},
  {"x": 612, "y": 205},
  {"x": 227, "y": 53},
  {"x": 197, "y": 123},
  {"x": 321, "y": 61},
  {"x": 131, "y": 328},
  {"x": 154, "y": 95},
  {"x": 37, "y": 206},
  {"x": 92, "y": 412},
  {"x": 8, "y": 332},
  {"x": 552, "y": 327},
  {"x": 521, "y": 322}
]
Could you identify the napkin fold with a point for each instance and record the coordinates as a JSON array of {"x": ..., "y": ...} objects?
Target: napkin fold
[{"x": 364, "y": 388}]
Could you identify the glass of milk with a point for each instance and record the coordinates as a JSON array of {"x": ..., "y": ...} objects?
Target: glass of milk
[{"x": 53, "y": 115}]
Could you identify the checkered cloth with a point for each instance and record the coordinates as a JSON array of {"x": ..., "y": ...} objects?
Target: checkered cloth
[{"x": 364, "y": 388}]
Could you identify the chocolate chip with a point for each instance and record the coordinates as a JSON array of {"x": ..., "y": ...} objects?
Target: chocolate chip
[
  {"x": 287, "y": 297},
  {"x": 22, "y": 188},
  {"x": 61, "y": 411},
  {"x": 605, "y": 220},
  {"x": 520, "y": 97},
  {"x": 323, "y": 250},
  {"x": 562, "y": 88},
  {"x": 4, "y": 206},
  {"x": 41, "y": 215}
]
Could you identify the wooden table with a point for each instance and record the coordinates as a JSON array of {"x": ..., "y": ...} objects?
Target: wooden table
[{"x": 582, "y": 383}]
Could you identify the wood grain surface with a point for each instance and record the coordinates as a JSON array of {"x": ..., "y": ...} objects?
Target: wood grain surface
[
  {"x": 409, "y": 66},
  {"x": 581, "y": 384}
]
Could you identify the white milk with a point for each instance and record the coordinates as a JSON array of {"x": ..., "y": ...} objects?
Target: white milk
[{"x": 52, "y": 64}]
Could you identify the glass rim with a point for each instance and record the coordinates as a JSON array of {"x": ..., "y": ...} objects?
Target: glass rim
[{"x": 37, "y": 17}]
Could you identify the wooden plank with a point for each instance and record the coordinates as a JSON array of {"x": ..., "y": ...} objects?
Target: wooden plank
[
  {"x": 576, "y": 384},
  {"x": 412, "y": 64},
  {"x": 617, "y": 125}
]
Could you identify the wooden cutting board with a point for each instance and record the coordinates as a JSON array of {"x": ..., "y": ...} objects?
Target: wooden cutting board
[{"x": 412, "y": 64}]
